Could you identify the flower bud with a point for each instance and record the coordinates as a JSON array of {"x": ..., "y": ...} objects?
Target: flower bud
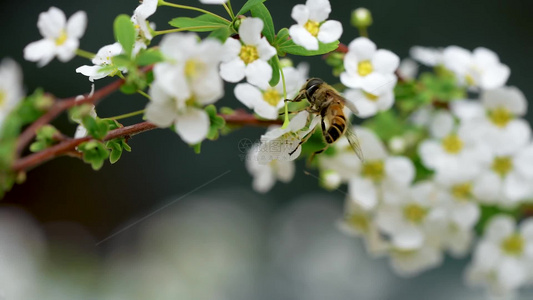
[
  {"x": 361, "y": 18},
  {"x": 330, "y": 179},
  {"x": 286, "y": 62}
]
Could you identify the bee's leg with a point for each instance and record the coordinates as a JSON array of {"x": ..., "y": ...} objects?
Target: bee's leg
[
  {"x": 298, "y": 98},
  {"x": 317, "y": 152},
  {"x": 303, "y": 140}
]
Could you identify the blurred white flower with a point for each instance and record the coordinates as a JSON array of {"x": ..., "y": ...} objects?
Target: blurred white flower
[
  {"x": 280, "y": 143},
  {"x": 141, "y": 13},
  {"x": 452, "y": 151},
  {"x": 249, "y": 56},
  {"x": 369, "y": 104},
  {"x": 267, "y": 102},
  {"x": 379, "y": 172},
  {"x": 187, "y": 79},
  {"x": 409, "y": 263},
  {"x": 265, "y": 175},
  {"x": 61, "y": 37},
  {"x": 369, "y": 69},
  {"x": 408, "y": 69},
  {"x": 503, "y": 260},
  {"x": 312, "y": 26},
  {"x": 428, "y": 56},
  {"x": 506, "y": 179},
  {"x": 103, "y": 58},
  {"x": 496, "y": 121},
  {"x": 410, "y": 215},
  {"x": 11, "y": 91},
  {"x": 480, "y": 68},
  {"x": 360, "y": 222},
  {"x": 81, "y": 131}
]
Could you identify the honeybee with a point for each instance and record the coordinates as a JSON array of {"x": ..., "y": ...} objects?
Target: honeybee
[{"x": 325, "y": 101}]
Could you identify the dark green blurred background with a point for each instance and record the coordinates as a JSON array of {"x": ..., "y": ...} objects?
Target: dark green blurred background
[{"x": 161, "y": 167}]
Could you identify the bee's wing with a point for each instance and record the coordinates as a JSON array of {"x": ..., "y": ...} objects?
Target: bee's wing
[
  {"x": 354, "y": 141},
  {"x": 350, "y": 105}
]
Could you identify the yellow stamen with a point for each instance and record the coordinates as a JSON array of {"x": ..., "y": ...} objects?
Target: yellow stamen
[
  {"x": 3, "y": 96},
  {"x": 414, "y": 213},
  {"x": 62, "y": 38},
  {"x": 502, "y": 165},
  {"x": 272, "y": 97},
  {"x": 370, "y": 96},
  {"x": 248, "y": 54},
  {"x": 374, "y": 170},
  {"x": 364, "y": 68},
  {"x": 470, "y": 80},
  {"x": 193, "y": 68},
  {"x": 513, "y": 245},
  {"x": 312, "y": 27},
  {"x": 452, "y": 144},
  {"x": 462, "y": 191},
  {"x": 500, "y": 116},
  {"x": 359, "y": 222}
]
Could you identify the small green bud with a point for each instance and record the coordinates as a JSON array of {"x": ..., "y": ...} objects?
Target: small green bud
[
  {"x": 330, "y": 180},
  {"x": 237, "y": 22},
  {"x": 286, "y": 62},
  {"x": 361, "y": 18}
]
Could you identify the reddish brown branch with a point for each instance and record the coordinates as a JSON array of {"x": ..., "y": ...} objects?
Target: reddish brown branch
[{"x": 68, "y": 146}]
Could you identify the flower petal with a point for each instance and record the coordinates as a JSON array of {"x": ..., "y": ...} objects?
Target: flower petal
[
  {"x": 302, "y": 37},
  {"x": 364, "y": 107},
  {"x": 265, "y": 50},
  {"x": 51, "y": 23},
  {"x": 442, "y": 124},
  {"x": 363, "y": 48},
  {"x": 285, "y": 170},
  {"x": 465, "y": 215},
  {"x": 42, "y": 52},
  {"x": 363, "y": 192},
  {"x": 193, "y": 125},
  {"x": 250, "y": 31},
  {"x": 318, "y": 9},
  {"x": 93, "y": 72},
  {"x": 258, "y": 73},
  {"x": 330, "y": 31},
  {"x": 384, "y": 61},
  {"x": 161, "y": 114},
  {"x": 76, "y": 25},
  {"x": 232, "y": 71},
  {"x": 408, "y": 238},
  {"x": 499, "y": 227},
  {"x": 399, "y": 169},
  {"x": 248, "y": 94},
  {"x": 300, "y": 14}
]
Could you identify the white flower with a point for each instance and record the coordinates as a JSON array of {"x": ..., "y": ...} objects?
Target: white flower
[
  {"x": 267, "y": 102},
  {"x": 284, "y": 143},
  {"x": 367, "y": 180},
  {"x": 187, "y": 79},
  {"x": 369, "y": 104},
  {"x": 496, "y": 121},
  {"x": 360, "y": 222},
  {"x": 408, "y": 69},
  {"x": 81, "y": 131},
  {"x": 427, "y": 56},
  {"x": 103, "y": 58},
  {"x": 312, "y": 26},
  {"x": 11, "y": 92},
  {"x": 61, "y": 37},
  {"x": 503, "y": 260},
  {"x": 249, "y": 56},
  {"x": 265, "y": 175},
  {"x": 368, "y": 68},
  {"x": 410, "y": 215},
  {"x": 452, "y": 152},
  {"x": 480, "y": 68},
  {"x": 507, "y": 179},
  {"x": 141, "y": 13}
]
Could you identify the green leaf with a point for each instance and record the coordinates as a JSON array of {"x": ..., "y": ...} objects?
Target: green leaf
[
  {"x": 216, "y": 122},
  {"x": 94, "y": 153},
  {"x": 116, "y": 150},
  {"x": 274, "y": 63},
  {"x": 197, "y": 148},
  {"x": 386, "y": 125},
  {"x": 248, "y": 5},
  {"x": 125, "y": 33},
  {"x": 149, "y": 57},
  {"x": 121, "y": 60},
  {"x": 260, "y": 11},
  {"x": 44, "y": 138},
  {"x": 221, "y": 34},
  {"x": 96, "y": 127},
  {"x": 128, "y": 88},
  {"x": 290, "y": 47},
  {"x": 202, "y": 23}
]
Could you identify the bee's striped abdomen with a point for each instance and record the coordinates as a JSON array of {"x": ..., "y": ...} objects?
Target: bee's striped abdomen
[{"x": 336, "y": 129}]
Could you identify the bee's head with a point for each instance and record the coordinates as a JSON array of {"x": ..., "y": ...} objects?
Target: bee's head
[{"x": 312, "y": 85}]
